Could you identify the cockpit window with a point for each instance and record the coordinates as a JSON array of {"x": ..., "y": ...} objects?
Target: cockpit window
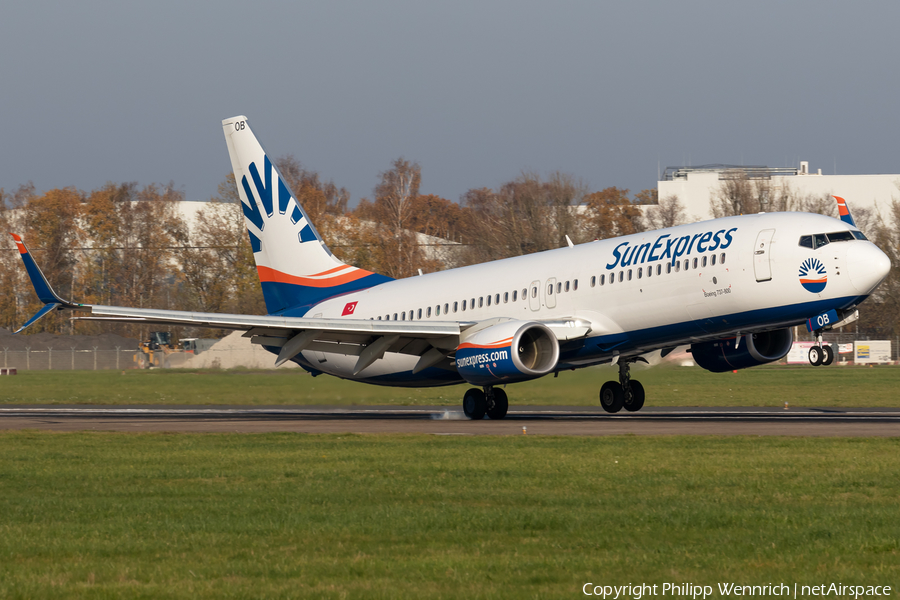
[
  {"x": 820, "y": 239},
  {"x": 840, "y": 236}
]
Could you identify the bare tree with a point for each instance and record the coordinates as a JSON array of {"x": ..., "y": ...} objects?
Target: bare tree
[
  {"x": 741, "y": 195},
  {"x": 668, "y": 213}
]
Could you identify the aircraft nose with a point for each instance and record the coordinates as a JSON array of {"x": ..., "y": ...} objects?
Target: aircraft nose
[{"x": 867, "y": 266}]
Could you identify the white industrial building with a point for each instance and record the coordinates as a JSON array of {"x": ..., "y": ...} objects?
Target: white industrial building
[{"x": 696, "y": 186}]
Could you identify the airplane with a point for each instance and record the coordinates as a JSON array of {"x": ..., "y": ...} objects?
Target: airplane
[{"x": 731, "y": 289}]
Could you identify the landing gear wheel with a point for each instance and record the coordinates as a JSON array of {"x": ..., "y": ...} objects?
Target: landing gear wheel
[
  {"x": 828, "y": 357},
  {"x": 815, "y": 356},
  {"x": 637, "y": 397},
  {"x": 474, "y": 404},
  {"x": 500, "y": 405},
  {"x": 612, "y": 396}
]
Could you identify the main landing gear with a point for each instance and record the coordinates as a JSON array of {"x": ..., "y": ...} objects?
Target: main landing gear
[
  {"x": 625, "y": 393},
  {"x": 491, "y": 402},
  {"x": 821, "y": 354}
]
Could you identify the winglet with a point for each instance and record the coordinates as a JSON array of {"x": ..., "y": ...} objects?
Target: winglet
[
  {"x": 42, "y": 288},
  {"x": 843, "y": 211}
]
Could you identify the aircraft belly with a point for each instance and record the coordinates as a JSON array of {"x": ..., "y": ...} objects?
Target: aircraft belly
[{"x": 393, "y": 369}]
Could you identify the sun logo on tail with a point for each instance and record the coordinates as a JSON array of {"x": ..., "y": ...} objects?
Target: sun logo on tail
[
  {"x": 813, "y": 277},
  {"x": 267, "y": 194}
]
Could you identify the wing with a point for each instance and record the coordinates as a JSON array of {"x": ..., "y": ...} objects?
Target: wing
[{"x": 369, "y": 340}]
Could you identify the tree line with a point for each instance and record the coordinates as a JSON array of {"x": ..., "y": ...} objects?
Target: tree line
[{"x": 127, "y": 245}]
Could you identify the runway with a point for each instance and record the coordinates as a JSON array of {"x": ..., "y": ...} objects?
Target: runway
[{"x": 441, "y": 420}]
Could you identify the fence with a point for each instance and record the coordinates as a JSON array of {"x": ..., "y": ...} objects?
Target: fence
[
  {"x": 246, "y": 355},
  {"x": 58, "y": 359},
  {"x": 802, "y": 335}
]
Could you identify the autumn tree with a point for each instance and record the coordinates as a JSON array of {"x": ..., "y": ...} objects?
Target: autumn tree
[
  {"x": 136, "y": 235},
  {"x": 385, "y": 243},
  {"x": 217, "y": 264},
  {"x": 610, "y": 213},
  {"x": 52, "y": 232}
]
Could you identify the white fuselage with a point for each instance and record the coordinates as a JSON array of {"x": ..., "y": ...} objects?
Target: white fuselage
[{"x": 637, "y": 293}]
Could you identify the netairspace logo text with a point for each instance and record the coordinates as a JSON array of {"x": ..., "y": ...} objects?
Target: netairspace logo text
[{"x": 697, "y": 592}]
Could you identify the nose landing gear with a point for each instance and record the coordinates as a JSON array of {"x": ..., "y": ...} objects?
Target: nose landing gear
[
  {"x": 821, "y": 354},
  {"x": 626, "y": 393}
]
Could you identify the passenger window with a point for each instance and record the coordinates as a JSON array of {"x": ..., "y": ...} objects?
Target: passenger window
[
  {"x": 480, "y": 301},
  {"x": 659, "y": 269},
  {"x": 428, "y": 312},
  {"x": 559, "y": 287},
  {"x": 695, "y": 263},
  {"x": 640, "y": 272},
  {"x": 687, "y": 264},
  {"x": 455, "y": 306},
  {"x": 722, "y": 258},
  {"x": 567, "y": 286},
  {"x": 704, "y": 261},
  {"x": 534, "y": 292},
  {"x": 806, "y": 241},
  {"x": 621, "y": 276},
  {"x": 464, "y": 305},
  {"x": 515, "y": 295},
  {"x": 496, "y": 298},
  {"x": 575, "y": 285},
  {"x": 387, "y": 317},
  {"x": 677, "y": 266},
  {"x": 379, "y": 317},
  {"x": 550, "y": 290},
  {"x": 447, "y": 309},
  {"x": 612, "y": 278},
  {"x": 403, "y": 316},
  {"x": 603, "y": 280},
  {"x": 629, "y": 274},
  {"x": 419, "y": 314},
  {"x": 395, "y": 316},
  {"x": 437, "y": 310},
  {"x": 650, "y": 271},
  {"x": 713, "y": 259},
  {"x": 489, "y": 300},
  {"x": 668, "y": 268},
  {"x": 525, "y": 293},
  {"x": 505, "y": 297},
  {"x": 472, "y": 303}
]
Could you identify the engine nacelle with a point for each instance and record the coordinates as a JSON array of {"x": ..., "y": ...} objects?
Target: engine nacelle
[
  {"x": 754, "y": 349},
  {"x": 507, "y": 352}
]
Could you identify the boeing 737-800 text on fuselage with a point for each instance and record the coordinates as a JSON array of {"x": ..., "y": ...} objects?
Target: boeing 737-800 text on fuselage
[{"x": 731, "y": 289}]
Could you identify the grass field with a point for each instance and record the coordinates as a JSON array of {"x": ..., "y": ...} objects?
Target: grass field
[
  {"x": 235, "y": 516},
  {"x": 665, "y": 386}
]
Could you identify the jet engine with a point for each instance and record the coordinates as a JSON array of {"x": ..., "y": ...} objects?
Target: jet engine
[
  {"x": 741, "y": 352},
  {"x": 507, "y": 352}
]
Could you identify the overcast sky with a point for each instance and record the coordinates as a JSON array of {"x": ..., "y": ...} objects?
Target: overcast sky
[{"x": 475, "y": 91}]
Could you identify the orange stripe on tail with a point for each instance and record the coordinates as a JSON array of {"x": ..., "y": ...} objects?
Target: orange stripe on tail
[{"x": 267, "y": 274}]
